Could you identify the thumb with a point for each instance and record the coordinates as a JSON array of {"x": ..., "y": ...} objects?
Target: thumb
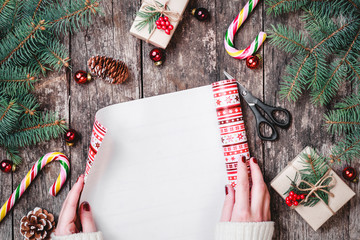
[{"x": 86, "y": 218}]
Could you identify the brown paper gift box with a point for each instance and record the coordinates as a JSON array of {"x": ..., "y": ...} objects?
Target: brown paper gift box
[
  {"x": 317, "y": 215},
  {"x": 159, "y": 38}
]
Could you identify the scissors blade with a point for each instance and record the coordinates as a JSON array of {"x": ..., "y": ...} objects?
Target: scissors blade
[{"x": 249, "y": 98}]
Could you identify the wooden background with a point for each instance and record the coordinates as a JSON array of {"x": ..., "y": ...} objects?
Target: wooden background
[{"x": 194, "y": 57}]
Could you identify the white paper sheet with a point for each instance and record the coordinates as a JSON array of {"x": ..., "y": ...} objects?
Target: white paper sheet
[{"x": 159, "y": 173}]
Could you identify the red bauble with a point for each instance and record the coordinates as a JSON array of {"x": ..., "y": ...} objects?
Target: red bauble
[
  {"x": 350, "y": 174},
  {"x": 82, "y": 77},
  {"x": 71, "y": 136},
  {"x": 253, "y": 62},
  {"x": 201, "y": 14},
  {"x": 6, "y": 166},
  {"x": 157, "y": 56}
]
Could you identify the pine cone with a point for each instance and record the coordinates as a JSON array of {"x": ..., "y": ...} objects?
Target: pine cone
[
  {"x": 112, "y": 71},
  {"x": 37, "y": 225}
]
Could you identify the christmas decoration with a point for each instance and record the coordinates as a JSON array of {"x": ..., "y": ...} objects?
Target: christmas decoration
[
  {"x": 157, "y": 56},
  {"x": 253, "y": 62},
  {"x": 201, "y": 14},
  {"x": 350, "y": 174},
  {"x": 6, "y": 166},
  {"x": 38, "y": 224},
  {"x": 29, "y": 47},
  {"x": 232, "y": 127},
  {"x": 30, "y": 176},
  {"x": 82, "y": 77},
  {"x": 110, "y": 70},
  {"x": 234, "y": 26},
  {"x": 324, "y": 61},
  {"x": 71, "y": 136},
  {"x": 164, "y": 24},
  {"x": 148, "y": 22},
  {"x": 308, "y": 182}
]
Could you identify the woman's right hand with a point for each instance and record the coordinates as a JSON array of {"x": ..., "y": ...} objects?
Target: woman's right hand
[{"x": 243, "y": 205}]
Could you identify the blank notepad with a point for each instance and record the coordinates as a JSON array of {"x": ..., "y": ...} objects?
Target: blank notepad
[{"x": 159, "y": 173}]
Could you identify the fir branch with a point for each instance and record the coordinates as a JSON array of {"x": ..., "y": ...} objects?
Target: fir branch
[
  {"x": 340, "y": 122},
  {"x": 13, "y": 154},
  {"x": 347, "y": 149},
  {"x": 324, "y": 94},
  {"x": 6, "y": 3},
  {"x": 36, "y": 130},
  {"x": 148, "y": 18},
  {"x": 9, "y": 115},
  {"x": 55, "y": 55},
  {"x": 24, "y": 38},
  {"x": 36, "y": 9},
  {"x": 283, "y": 6}
]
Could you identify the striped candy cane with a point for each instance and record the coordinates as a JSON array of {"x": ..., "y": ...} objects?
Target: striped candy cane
[
  {"x": 54, "y": 189},
  {"x": 234, "y": 26}
]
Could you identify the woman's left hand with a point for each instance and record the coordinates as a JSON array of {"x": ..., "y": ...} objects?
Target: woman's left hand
[{"x": 69, "y": 221}]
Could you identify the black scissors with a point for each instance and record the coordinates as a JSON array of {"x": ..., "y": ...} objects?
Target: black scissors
[{"x": 254, "y": 104}]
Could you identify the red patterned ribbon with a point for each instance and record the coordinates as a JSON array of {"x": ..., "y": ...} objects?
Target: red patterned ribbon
[
  {"x": 231, "y": 124},
  {"x": 97, "y": 137}
]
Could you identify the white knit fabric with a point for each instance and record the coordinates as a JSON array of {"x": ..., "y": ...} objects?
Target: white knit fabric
[
  {"x": 244, "y": 231},
  {"x": 79, "y": 236}
]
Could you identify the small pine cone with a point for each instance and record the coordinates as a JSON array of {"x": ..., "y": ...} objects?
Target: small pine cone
[
  {"x": 111, "y": 70},
  {"x": 37, "y": 224}
]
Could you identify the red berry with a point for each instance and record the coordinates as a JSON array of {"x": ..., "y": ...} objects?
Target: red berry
[
  {"x": 167, "y": 31},
  {"x": 289, "y": 204},
  {"x": 163, "y": 27},
  {"x": 166, "y": 18},
  {"x": 287, "y": 199},
  {"x": 157, "y": 22},
  {"x": 158, "y": 27},
  {"x": 291, "y": 193},
  {"x": 167, "y": 23},
  {"x": 296, "y": 203},
  {"x": 162, "y": 23},
  {"x": 170, "y": 27},
  {"x": 290, "y": 197},
  {"x": 298, "y": 197},
  {"x": 161, "y": 19},
  {"x": 302, "y": 196},
  {"x": 295, "y": 196}
]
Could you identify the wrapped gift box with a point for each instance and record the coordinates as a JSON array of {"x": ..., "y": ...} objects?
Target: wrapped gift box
[
  {"x": 317, "y": 215},
  {"x": 158, "y": 37}
]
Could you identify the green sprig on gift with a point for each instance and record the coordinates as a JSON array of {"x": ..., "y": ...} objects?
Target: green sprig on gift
[
  {"x": 149, "y": 16},
  {"x": 314, "y": 184},
  {"x": 326, "y": 57}
]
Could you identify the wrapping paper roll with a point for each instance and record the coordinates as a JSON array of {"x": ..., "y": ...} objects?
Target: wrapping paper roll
[{"x": 232, "y": 127}]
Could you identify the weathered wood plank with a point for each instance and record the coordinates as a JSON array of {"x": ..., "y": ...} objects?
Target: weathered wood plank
[
  {"x": 190, "y": 56},
  {"x": 107, "y": 36}
]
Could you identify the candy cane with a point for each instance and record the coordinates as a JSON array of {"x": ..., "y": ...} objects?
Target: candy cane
[
  {"x": 54, "y": 189},
  {"x": 234, "y": 26}
]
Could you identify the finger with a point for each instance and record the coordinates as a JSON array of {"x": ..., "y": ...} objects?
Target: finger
[
  {"x": 266, "y": 213},
  {"x": 86, "y": 218},
  {"x": 68, "y": 211},
  {"x": 228, "y": 204},
  {"x": 258, "y": 191},
  {"x": 241, "y": 206}
]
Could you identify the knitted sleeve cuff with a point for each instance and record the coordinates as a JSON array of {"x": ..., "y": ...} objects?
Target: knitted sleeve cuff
[
  {"x": 79, "y": 236},
  {"x": 244, "y": 231}
]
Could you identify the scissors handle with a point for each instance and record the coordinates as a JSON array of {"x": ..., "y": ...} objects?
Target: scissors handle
[
  {"x": 261, "y": 120},
  {"x": 269, "y": 110}
]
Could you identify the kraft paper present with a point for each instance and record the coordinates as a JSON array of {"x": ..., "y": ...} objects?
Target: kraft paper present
[
  {"x": 158, "y": 37},
  {"x": 317, "y": 215}
]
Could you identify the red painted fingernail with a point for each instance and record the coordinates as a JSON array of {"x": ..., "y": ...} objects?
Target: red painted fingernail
[
  {"x": 226, "y": 190},
  {"x": 243, "y": 159},
  {"x": 254, "y": 160},
  {"x": 86, "y": 206},
  {"x": 79, "y": 177}
]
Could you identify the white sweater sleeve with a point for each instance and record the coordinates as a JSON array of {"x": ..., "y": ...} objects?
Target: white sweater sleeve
[
  {"x": 79, "y": 236},
  {"x": 244, "y": 231}
]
